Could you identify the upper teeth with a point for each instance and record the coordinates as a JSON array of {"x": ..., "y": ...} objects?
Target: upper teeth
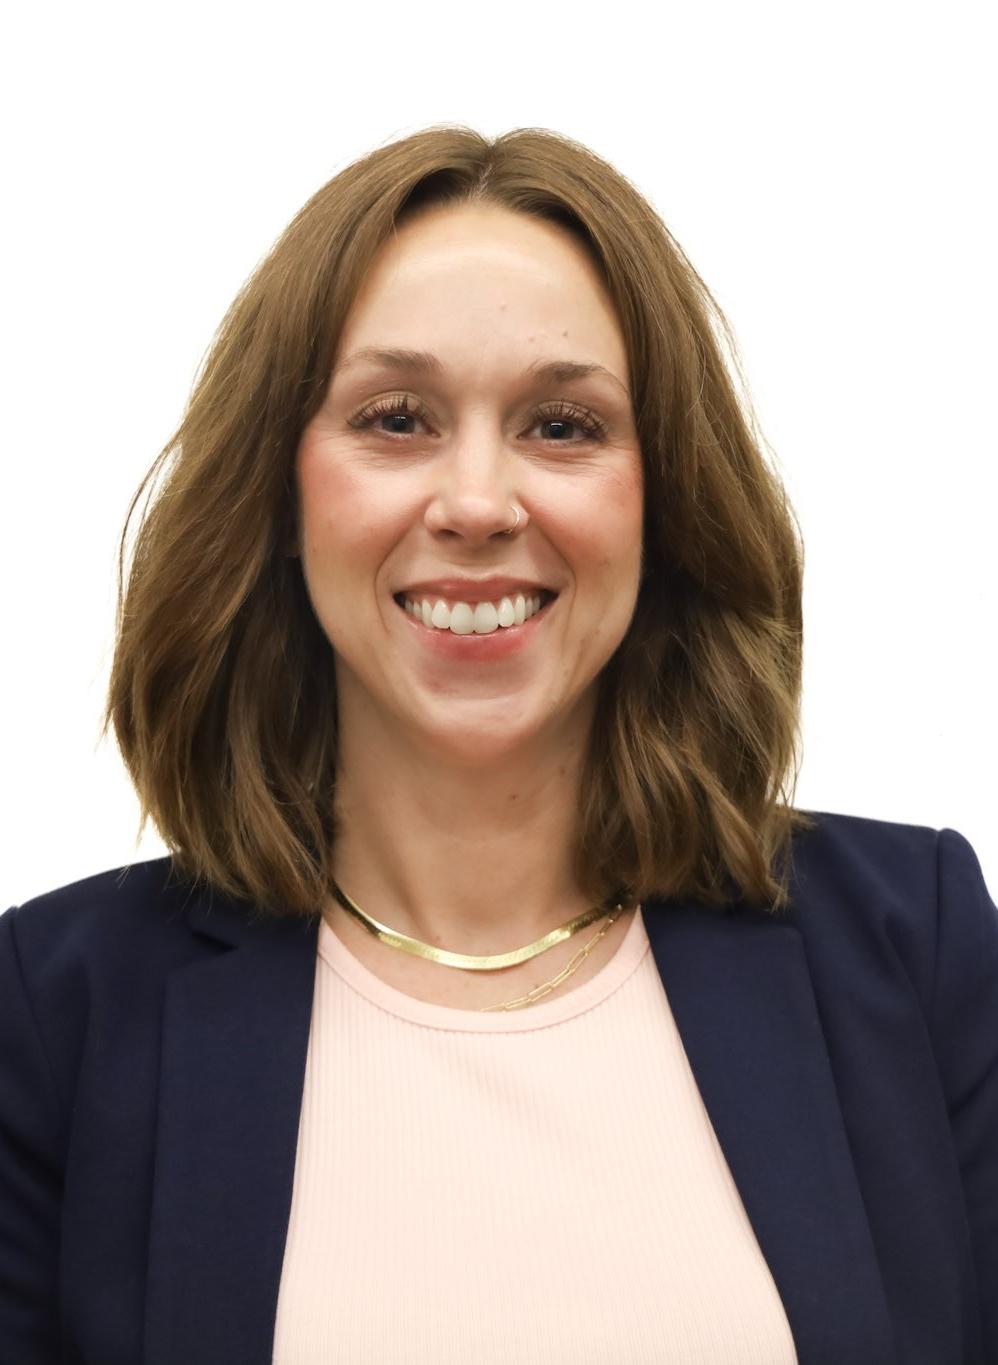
[{"x": 481, "y": 619}]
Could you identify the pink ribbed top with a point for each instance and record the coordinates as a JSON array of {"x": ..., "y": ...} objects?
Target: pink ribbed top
[{"x": 538, "y": 1186}]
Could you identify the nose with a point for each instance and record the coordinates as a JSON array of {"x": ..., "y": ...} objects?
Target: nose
[{"x": 473, "y": 495}]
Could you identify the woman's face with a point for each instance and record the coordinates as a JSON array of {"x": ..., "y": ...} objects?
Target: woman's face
[{"x": 390, "y": 502}]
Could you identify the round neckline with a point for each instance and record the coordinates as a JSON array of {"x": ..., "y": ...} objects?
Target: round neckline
[{"x": 335, "y": 955}]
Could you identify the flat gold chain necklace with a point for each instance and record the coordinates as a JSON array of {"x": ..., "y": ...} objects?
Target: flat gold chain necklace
[{"x": 475, "y": 963}]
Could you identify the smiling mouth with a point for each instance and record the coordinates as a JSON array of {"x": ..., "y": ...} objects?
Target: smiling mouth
[{"x": 481, "y": 619}]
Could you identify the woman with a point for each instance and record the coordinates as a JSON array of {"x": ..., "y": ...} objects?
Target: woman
[{"x": 494, "y": 1003}]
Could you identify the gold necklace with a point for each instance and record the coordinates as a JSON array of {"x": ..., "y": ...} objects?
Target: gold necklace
[
  {"x": 548, "y": 986},
  {"x": 473, "y": 962}
]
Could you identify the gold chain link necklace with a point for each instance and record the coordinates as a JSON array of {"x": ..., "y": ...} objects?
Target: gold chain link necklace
[{"x": 472, "y": 962}]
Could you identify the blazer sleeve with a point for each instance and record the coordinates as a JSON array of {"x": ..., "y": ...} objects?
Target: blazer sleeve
[
  {"x": 963, "y": 1022},
  {"x": 31, "y": 1173}
]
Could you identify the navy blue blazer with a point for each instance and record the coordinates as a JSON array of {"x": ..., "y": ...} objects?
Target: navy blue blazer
[{"x": 152, "y": 1058}]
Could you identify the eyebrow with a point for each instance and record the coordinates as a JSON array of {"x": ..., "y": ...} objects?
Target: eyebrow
[{"x": 423, "y": 362}]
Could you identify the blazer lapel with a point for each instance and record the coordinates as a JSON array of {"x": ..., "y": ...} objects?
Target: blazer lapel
[
  {"x": 740, "y": 992},
  {"x": 232, "y": 1074},
  {"x": 234, "y": 1048}
]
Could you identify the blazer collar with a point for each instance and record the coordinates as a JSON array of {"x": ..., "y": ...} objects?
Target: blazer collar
[{"x": 234, "y": 1048}]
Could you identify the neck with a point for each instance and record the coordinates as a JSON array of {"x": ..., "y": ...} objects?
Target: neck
[{"x": 473, "y": 863}]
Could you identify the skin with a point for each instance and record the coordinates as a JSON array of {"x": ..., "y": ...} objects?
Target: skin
[{"x": 457, "y": 783}]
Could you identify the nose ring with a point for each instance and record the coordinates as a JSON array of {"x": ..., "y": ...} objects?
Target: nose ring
[{"x": 510, "y": 529}]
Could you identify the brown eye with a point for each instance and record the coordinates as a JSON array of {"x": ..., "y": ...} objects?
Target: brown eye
[
  {"x": 567, "y": 414},
  {"x": 398, "y": 406}
]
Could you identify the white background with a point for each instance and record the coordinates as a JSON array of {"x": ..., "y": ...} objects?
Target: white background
[{"x": 829, "y": 171}]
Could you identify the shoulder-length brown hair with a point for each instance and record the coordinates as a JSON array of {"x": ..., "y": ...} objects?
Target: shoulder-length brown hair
[{"x": 222, "y": 691}]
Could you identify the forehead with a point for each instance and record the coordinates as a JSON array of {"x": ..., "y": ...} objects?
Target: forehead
[{"x": 484, "y": 282}]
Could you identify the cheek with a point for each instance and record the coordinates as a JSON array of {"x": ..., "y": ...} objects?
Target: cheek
[
  {"x": 616, "y": 520},
  {"x": 324, "y": 483},
  {"x": 627, "y": 492},
  {"x": 340, "y": 510},
  {"x": 621, "y": 536}
]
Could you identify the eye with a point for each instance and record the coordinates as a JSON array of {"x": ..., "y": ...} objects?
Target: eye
[
  {"x": 401, "y": 407},
  {"x": 398, "y": 406},
  {"x": 570, "y": 414}
]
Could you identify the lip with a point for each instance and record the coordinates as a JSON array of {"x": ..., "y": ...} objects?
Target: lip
[
  {"x": 473, "y": 590},
  {"x": 502, "y": 643}
]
